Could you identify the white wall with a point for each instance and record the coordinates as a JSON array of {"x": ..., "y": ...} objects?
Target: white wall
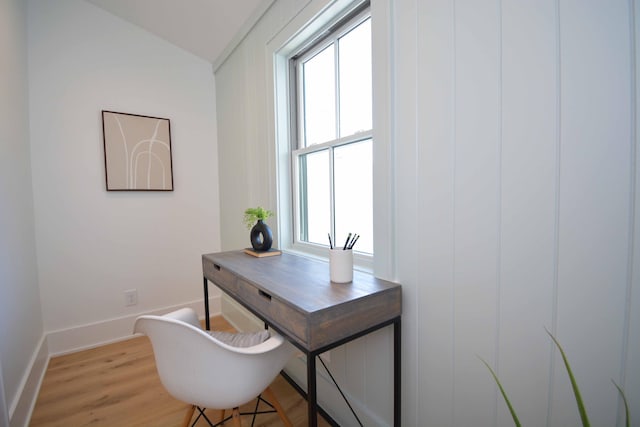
[
  {"x": 516, "y": 152},
  {"x": 21, "y": 329},
  {"x": 93, "y": 244},
  {"x": 513, "y": 125},
  {"x": 60, "y": 65}
]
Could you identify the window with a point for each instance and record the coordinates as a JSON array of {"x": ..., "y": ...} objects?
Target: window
[{"x": 332, "y": 142}]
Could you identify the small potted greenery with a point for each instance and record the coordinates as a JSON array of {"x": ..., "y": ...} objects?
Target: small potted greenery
[
  {"x": 574, "y": 385},
  {"x": 261, "y": 236}
]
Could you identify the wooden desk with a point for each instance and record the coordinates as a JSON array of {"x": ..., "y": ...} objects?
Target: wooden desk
[{"x": 294, "y": 296}]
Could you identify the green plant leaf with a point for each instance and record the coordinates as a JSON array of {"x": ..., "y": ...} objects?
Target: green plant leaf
[
  {"x": 574, "y": 384},
  {"x": 251, "y": 215},
  {"x": 504, "y": 394},
  {"x": 626, "y": 405}
]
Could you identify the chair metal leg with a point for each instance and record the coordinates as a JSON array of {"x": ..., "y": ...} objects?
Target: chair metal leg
[
  {"x": 236, "y": 415},
  {"x": 271, "y": 396},
  {"x": 188, "y": 416}
]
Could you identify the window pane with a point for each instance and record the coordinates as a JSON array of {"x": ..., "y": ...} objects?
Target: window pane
[
  {"x": 354, "y": 194},
  {"x": 315, "y": 206},
  {"x": 319, "y": 98},
  {"x": 355, "y": 80}
]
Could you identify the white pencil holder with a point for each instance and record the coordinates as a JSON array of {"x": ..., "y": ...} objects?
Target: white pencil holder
[{"x": 341, "y": 265}]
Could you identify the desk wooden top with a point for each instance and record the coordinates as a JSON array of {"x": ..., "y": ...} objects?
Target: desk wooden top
[{"x": 295, "y": 294}]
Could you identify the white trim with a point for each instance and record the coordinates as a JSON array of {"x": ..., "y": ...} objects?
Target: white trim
[
  {"x": 328, "y": 397},
  {"x": 310, "y": 21},
  {"x": 382, "y": 39},
  {"x": 4, "y": 412},
  {"x": 24, "y": 400},
  {"x": 71, "y": 340},
  {"x": 97, "y": 334},
  {"x": 345, "y": 140},
  {"x": 278, "y": 49},
  {"x": 239, "y": 317},
  {"x": 242, "y": 33},
  {"x": 84, "y": 337}
]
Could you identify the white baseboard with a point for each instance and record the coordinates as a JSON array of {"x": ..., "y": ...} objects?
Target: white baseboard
[
  {"x": 238, "y": 316},
  {"x": 21, "y": 407},
  {"x": 4, "y": 411},
  {"x": 328, "y": 396},
  {"x": 84, "y": 337},
  {"x": 70, "y": 340}
]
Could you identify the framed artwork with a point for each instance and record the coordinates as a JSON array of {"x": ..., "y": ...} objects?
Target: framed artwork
[{"x": 137, "y": 152}]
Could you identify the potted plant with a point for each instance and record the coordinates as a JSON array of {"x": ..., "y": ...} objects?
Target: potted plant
[
  {"x": 261, "y": 236},
  {"x": 574, "y": 385}
]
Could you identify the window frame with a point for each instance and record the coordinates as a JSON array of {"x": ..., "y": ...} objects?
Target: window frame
[{"x": 330, "y": 35}]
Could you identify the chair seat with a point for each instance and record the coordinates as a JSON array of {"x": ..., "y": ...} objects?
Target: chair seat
[
  {"x": 241, "y": 339},
  {"x": 216, "y": 370}
]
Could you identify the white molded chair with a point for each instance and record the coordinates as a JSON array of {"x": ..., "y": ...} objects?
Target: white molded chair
[{"x": 204, "y": 372}]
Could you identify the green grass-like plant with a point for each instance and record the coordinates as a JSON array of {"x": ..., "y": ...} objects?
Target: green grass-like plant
[
  {"x": 516, "y": 421},
  {"x": 574, "y": 385},
  {"x": 251, "y": 215},
  {"x": 626, "y": 405}
]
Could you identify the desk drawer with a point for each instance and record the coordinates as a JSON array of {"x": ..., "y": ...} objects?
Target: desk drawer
[
  {"x": 220, "y": 276},
  {"x": 273, "y": 310}
]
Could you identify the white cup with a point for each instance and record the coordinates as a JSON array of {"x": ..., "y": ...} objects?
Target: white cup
[{"x": 341, "y": 265}]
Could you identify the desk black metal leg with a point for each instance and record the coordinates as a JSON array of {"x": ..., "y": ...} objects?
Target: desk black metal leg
[
  {"x": 207, "y": 321},
  {"x": 312, "y": 398},
  {"x": 397, "y": 374}
]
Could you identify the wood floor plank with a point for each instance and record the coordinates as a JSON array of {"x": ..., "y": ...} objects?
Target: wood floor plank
[{"x": 118, "y": 385}]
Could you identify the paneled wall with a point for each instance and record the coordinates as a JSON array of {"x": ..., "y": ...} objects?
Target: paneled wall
[
  {"x": 512, "y": 127},
  {"x": 515, "y": 138}
]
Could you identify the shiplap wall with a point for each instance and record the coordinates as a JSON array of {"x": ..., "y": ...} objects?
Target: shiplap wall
[{"x": 513, "y": 132}]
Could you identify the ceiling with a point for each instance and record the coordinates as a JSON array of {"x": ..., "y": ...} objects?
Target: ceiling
[{"x": 207, "y": 28}]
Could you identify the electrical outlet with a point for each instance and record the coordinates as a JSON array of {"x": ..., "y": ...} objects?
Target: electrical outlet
[{"x": 130, "y": 297}]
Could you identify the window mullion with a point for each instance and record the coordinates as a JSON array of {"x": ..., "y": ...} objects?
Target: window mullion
[
  {"x": 303, "y": 215},
  {"x": 332, "y": 198},
  {"x": 336, "y": 72},
  {"x": 360, "y": 136},
  {"x": 302, "y": 126}
]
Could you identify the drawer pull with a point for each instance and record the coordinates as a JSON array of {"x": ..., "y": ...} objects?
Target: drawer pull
[
  {"x": 264, "y": 294},
  {"x": 216, "y": 266}
]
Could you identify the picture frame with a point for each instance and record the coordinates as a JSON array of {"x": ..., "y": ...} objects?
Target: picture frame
[{"x": 137, "y": 152}]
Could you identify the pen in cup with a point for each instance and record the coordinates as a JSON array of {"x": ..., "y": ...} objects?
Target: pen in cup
[
  {"x": 353, "y": 241},
  {"x": 352, "y": 238},
  {"x": 346, "y": 243}
]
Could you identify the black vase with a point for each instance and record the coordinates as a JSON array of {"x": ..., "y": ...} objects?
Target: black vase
[{"x": 261, "y": 237}]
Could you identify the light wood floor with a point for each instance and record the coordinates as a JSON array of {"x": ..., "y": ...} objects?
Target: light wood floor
[{"x": 117, "y": 385}]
